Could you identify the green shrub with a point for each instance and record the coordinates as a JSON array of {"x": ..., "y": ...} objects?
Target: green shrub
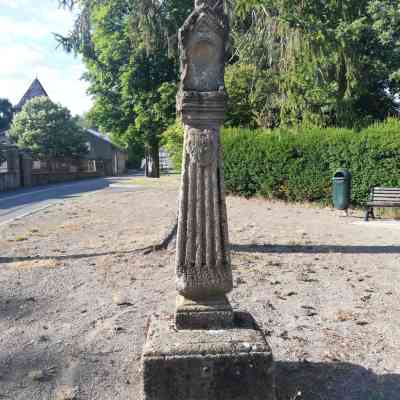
[{"x": 298, "y": 166}]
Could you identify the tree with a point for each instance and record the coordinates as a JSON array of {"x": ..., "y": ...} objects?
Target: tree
[
  {"x": 48, "y": 130},
  {"x": 6, "y": 114},
  {"x": 252, "y": 96},
  {"x": 337, "y": 59},
  {"x": 332, "y": 62},
  {"x": 128, "y": 47}
]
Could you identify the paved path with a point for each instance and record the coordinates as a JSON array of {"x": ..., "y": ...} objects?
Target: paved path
[{"x": 15, "y": 205}]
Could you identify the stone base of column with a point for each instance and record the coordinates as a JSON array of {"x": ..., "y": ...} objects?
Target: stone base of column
[
  {"x": 213, "y": 313},
  {"x": 231, "y": 364}
]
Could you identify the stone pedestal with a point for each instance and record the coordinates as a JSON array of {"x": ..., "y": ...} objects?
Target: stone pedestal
[{"x": 229, "y": 364}]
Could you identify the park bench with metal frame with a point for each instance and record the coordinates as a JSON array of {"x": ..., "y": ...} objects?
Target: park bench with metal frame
[{"x": 382, "y": 197}]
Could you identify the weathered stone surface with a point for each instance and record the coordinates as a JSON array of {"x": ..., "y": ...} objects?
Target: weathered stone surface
[
  {"x": 213, "y": 313},
  {"x": 203, "y": 264},
  {"x": 202, "y": 42},
  {"x": 230, "y": 364}
]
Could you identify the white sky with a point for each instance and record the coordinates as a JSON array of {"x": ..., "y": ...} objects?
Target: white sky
[{"x": 28, "y": 49}]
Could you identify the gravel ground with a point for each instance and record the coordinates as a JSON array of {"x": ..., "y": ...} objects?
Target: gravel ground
[{"x": 75, "y": 296}]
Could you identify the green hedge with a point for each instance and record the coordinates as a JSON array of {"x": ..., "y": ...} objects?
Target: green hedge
[{"x": 299, "y": 165}]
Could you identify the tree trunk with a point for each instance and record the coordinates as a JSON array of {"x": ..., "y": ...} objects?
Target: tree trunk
[
  {"x": 152, "y": 167},
  {"x": 342, "y": 111}
]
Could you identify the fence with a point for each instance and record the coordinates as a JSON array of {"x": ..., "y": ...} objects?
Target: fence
[
  {"x": 10, "y": 174},
  {"x": 18, "y": 169},
  {"x": 63, "y": 170}
]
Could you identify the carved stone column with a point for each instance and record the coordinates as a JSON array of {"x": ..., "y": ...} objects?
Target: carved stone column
[
  {"x": 207, "y": 352},
  {"x": 203, "y": 267}
]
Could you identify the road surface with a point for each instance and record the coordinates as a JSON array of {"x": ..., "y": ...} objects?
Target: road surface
[{"x": 15, "y": 205}]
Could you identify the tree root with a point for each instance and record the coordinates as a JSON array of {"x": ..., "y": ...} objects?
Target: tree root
[{"x": 165, "y": 242}]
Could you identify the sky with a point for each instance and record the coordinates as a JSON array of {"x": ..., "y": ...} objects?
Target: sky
[{"x": 28, "y": 50}]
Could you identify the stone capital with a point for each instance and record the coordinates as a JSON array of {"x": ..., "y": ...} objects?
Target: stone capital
[{"x": 202, "y": 108}]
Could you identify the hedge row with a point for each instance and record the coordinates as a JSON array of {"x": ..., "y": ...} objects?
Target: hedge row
[{"x": 298, "y": 166}]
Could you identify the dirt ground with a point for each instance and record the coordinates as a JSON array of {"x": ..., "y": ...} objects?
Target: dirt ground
[{"x": 75, "y": 296}]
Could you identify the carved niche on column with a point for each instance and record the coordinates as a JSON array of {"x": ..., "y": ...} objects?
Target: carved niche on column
[{"x": 202, "y": 43}]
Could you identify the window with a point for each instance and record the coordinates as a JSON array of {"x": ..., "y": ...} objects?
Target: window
[
  {"x": 3, "y": 167},
  {"x": 36, "y": 164},
  {"x": 92, "y": 166}
]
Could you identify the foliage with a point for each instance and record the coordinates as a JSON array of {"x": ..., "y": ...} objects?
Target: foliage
[
  {"x": 309, "y": 63},
  {"x": 336, "y": 62},
  {"x": 172, "y": 140},
  {"x": 299, "y": 165},
  {"x": 6, "y": 114},
  {"x": 252, "y": 96},
  {"x": 85, "y": 122},
  {"x": 48, "y": 130},
  {"x": 128, "y": 49}
]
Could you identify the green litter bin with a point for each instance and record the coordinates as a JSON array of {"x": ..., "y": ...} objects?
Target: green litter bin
[{"x": 341, "y": 190}]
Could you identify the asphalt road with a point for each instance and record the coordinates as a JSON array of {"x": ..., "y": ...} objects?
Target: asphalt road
[{"x": 15, "y": 205}]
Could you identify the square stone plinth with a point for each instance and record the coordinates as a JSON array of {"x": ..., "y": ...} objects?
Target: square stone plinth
[{"x": 231, "y": 364}]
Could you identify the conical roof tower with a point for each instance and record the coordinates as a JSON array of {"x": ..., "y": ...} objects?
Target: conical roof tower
[{"x": 35, "y": 90}]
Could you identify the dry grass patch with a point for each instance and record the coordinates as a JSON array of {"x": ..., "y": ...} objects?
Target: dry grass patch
[
  {"x": 21, "y": 239},
  {"x": 164, "y": 180},
  {"x": 32, "y": 264},
  {"x": 343, "y": 316}
]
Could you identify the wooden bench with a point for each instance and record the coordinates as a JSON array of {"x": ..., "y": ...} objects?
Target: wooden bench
[{"x": 382, "y": 197}]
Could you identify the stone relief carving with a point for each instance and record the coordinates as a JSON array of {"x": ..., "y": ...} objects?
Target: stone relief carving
[{"x": 202, "y": 145}]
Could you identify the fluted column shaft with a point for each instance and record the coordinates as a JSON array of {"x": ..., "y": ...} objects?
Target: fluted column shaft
[{"x": 202, "y": 263}]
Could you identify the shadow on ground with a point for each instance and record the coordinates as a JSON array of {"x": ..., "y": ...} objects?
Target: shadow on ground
[
  {"x": 6, "y": 260},
  {"x": 295, "y": 380},
  {"x": 30, "y": 373},
  {"x": 16, "y": 308},
  {"x": 60, "y": 191},
  {"x": 238, "y": 248},
  {"x": 333, "y": 381},
  {"x": 314, "y": 249}
]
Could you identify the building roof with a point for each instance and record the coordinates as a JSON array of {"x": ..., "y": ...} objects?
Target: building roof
[
  {"x": 35, "y": 90},
  {"x": 99, "y": 135},
  {"x": 104, "y": 137}
]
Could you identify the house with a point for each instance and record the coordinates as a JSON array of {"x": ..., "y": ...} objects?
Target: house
[
  {"x": 102, "y": 150},
  {"x": 17, "y": 168},
  {"x": 109, "y": 158}
]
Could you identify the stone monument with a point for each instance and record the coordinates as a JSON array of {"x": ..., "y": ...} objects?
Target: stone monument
[{"x": 207, "y": 352}]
